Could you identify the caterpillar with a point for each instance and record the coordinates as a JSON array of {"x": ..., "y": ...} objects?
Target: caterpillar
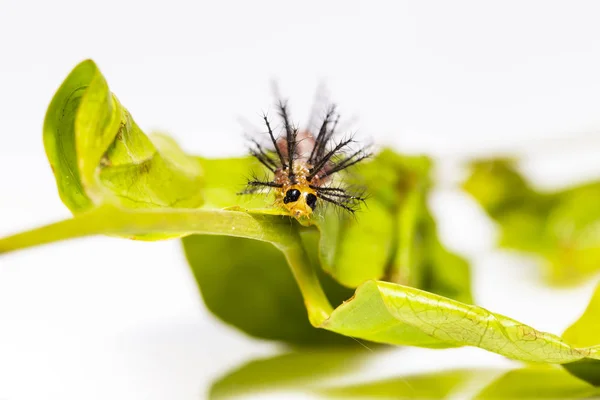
[{"x": 301, "y": 165}]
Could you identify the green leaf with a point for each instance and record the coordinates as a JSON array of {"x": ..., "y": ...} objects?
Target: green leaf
[
  {"x": 317, "y": 373},
  {"x": 434, "y": 385},
  {"x": 586, "y": 332},
  {"x": 118, "y": 181},
  {"x": 393, "y": 237},
  {"x": 357, "y": 246},
  {"x": 560, "y": 228},
  {"x": 108, "y": 219},
  {"x": 257, "y": 272},
  {"x": 541, "y": 382},
  {"x": 225, "y": 178},
  {"x": 381, "y": 312},
  {"x": 534, "y": 382},
  {"x": 248, "y": 284},
  {"x": 297, "y": 371},
  {"x": 355, "y": 249},
  {"x": 99, "y": 154},
  {"x": 389, "y": 313}
]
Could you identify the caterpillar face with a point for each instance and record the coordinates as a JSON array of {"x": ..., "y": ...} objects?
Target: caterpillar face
[{"x": 299, "y": 201}]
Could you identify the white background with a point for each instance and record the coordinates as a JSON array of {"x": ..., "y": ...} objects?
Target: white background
[{"x": 105, "y": 318}]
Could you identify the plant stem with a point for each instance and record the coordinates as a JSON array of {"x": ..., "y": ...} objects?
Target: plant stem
[
  {"x": 315, "y": 300},
  {"x": 132, "y": 223},
  {"x": 278, "y": 230}
]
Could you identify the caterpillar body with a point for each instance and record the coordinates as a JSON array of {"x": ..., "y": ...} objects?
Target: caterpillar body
[{"x": 303, "y": 163}]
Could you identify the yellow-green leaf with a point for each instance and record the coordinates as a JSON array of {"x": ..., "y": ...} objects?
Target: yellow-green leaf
[
  {"x": 540, "y": 382},
  {"x": 389, "y": 313},
  {"x": 99, "y": 155},
  {"x": 297, "y": 371},
  {"x": 382, "y": 312},
  {"x": 560, "y": 228},
  {"x": 586, "y": 332},
  {"x": 393, "y": 237}
]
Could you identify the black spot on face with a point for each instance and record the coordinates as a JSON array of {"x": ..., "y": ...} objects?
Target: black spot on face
[
  {"x": 291, "y": 195},
  {"x": 311, "y": 200}
]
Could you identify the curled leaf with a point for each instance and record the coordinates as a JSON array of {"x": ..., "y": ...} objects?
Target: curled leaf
[
  {"x": 379, "y": 311},
  {"x": 99, "y": 155},
  {"x": 389, "y": 313}
]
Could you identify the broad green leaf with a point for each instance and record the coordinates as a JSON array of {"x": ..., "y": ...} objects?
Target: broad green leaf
[
  {"x": 248, "y": 284},
  {"x": 394, "y": 236},
  {"x": 225, "y": 178},
  {"x": 560, "y": 228},
  {"x": 299, "y": 371},
  {"x": 422, "y": 261},
  {"x": 389, "y": 313},
  {"x": 118, "y": 181},
  {"x": 99, "y": 154},
  {"x": 257, "y": 272},
  {"x": 586, "y": 332},
  {"x": 354, "y": 250},
  {"x": 540, "y": 382},
  {"x": 258, "y": 267},
  {"x": 586, "y": 369}
]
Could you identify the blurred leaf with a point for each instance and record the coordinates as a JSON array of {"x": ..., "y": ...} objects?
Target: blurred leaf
[
  {"x": 586, "y": 332},
  {"x": 393, "y": 237},
  {"x": 541, "y": 382},
  {"x": 298, "y": 371},
  {"x": 433, "y": 385},
  {"x": 225, "y": 178},
  {"x": 422, "y": 261},
  {"x": 586, "y": 369},
  {"x": 312, "y": 372},
  {"x": 561, "y": 228},
  {"x": 248, "y": 284},
  {"x": 356, "y": 249},
  {"x": 99, "y": 155}
]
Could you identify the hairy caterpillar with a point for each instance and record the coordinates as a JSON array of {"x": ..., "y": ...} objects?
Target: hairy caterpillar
[{"x": 303, "y": 163}]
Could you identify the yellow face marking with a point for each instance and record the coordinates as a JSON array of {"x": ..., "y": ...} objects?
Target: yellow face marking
[
  {"x": 297, "y": 197},
  {"x": 298, "y": 200}
]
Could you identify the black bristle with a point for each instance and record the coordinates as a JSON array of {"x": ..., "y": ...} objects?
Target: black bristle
[{"x": 325, "y": 159}]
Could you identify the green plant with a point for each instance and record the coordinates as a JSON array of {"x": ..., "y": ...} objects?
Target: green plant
[
  {"x": 560, "y": 228},
  {"x": 408, "y": 288}
]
